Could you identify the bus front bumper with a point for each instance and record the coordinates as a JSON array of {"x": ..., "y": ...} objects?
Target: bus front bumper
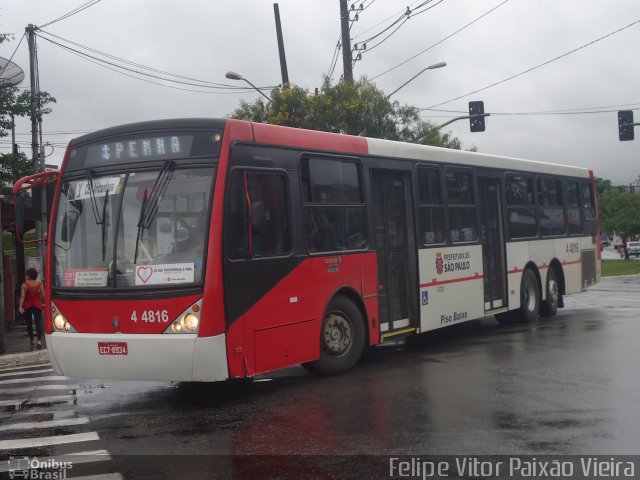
[{"x": 148, "y": 357}]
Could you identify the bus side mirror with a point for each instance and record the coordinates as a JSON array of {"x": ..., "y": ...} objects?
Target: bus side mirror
[
  {"x": 68, "y": 227},
  {"x": 20, "y": 216}
]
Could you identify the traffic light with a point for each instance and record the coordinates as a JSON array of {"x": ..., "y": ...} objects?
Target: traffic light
[
  {"x": 625, "y": 125},
  {"x": 476, "y": 122}
]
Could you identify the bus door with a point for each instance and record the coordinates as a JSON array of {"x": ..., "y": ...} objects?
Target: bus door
[
  {"x": 492, "y": 236},
  {"x": 395, "y": 246}
]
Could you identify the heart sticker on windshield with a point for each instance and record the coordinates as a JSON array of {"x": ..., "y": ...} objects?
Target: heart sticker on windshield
[{"x": 144, "y": 273}]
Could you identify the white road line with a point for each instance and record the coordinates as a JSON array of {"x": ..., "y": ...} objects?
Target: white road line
[
  {"x": 28, "y": 372},
  {"x": 18, "y": 403},
  {"x": 34, "y": 388},
  {"x": 76, "y": 458},
  {"x": 48, "y": 441},
  {"x": 34, "y": 379},
  {"x": 67, "y": 422},
  {"x": 50, "y": 399},
  {"x": 26, "y": 367}
]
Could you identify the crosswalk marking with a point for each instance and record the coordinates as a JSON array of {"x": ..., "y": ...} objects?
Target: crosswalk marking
[
  {"x": 21, "y": 389},
  {"x": 33, "y": 379},
  {"x": 59, "y": 386},
  {"x": 67, "y": 422},
  {"x": 18, "y": 403},
  {"x": 47, "y": 441},
  {"x": 25, "y": 372},
  {"x": 27, "y": 367}
]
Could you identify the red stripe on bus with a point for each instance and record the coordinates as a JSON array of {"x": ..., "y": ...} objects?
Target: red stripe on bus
[
  {"x": 543, "y": 266},
  {"x": 435, "y": 282}
]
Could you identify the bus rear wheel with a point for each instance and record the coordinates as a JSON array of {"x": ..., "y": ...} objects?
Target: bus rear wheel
[
  {"x": 529, "y": 297},
  {"x": 549, "y": 306},
  {"x": 342, "y": 338}
]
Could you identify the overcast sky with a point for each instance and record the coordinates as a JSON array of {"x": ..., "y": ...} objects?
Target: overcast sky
[{"x": 204, "y": 39}]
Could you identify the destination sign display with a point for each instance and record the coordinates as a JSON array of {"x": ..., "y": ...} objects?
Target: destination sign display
[{"x": 144, "y": 148}]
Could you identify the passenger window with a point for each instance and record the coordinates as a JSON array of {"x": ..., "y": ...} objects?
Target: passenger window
[
  {"x": 333, "y": 213},
  {"x": 430, "y": 208},
  {"x": 574, "y": 213},
  {"x": 521, "y": 211},
  {"x": 257, "y": 216},
  {"x": 462, "y": 210},
  {"x": 588, "y": 201},
  {"x": 550, "y": 202}
]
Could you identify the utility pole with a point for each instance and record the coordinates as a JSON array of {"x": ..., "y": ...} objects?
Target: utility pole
[
  {"x": 347, "y": 60},
  {"x": 283, "y": 58},
  {"x": 37, "y": 158}
]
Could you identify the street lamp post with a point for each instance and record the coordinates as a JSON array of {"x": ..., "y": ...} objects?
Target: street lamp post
[
  {"x": 430, "y": 67},
  {"x": 236, "y": 76}
]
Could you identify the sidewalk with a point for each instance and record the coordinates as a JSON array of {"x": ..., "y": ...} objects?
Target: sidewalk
[{"x": 18, "y": 352}]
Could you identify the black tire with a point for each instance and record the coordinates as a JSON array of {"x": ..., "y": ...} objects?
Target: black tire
[
  {"x": 342, "y": 338},
  {"x": 551, "y": 302},
  {"x": 529, "y": 297}
]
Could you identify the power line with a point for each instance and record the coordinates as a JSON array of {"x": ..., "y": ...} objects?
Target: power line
[
  {"x": 400, "y": 21},
  {"x": 537, "y": 66},
  {"x": 79, "y": 9},
  {"x": 109, "y": 65},
  {"x": 145, "y": 67},
  {"x": 441, "y": 41}
]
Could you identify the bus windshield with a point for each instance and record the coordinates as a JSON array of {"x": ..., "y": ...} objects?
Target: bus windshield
[{"x": 136, "y": 229}]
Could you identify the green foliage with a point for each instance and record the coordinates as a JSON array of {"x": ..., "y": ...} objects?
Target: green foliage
[
  {"x": 602, "y": 185},
  {"x": 14, "y": 166},
  {"x": 357, "y": 108},
  {"x": 620, "y": 213},
  {"x": 615, "y": 268}
]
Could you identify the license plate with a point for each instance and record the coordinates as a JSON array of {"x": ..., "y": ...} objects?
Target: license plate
[{"x": 112, "y": 348}]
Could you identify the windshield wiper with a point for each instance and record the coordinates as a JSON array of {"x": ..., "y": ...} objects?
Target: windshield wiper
[
  {"x": 105, "y": 225},
  {"x": 94, "y": 202},
  {"x": 151, "y": 203}
]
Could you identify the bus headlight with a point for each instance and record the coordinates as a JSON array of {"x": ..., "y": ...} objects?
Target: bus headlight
[
  {"x": 58, "y": 322},
  {"x": 189, "y": 322}
]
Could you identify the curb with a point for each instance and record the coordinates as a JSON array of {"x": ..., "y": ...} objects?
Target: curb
[{"x": 24, "y": 359}]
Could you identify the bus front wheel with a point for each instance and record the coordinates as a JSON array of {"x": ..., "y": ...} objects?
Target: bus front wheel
[
  {"x": 529, "y": 297},
  {"x": 342, "y": 338}
]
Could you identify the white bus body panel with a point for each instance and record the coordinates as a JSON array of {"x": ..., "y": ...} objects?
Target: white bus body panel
[
  {"x": 451, "y": 285},
  {"x": 158, "y": 357}
]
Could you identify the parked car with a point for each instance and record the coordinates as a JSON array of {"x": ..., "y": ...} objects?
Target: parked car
[{"x": 633, "y": 248}]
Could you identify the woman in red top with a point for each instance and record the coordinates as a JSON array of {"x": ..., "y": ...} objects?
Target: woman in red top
[{"x": 31, "y": 304}]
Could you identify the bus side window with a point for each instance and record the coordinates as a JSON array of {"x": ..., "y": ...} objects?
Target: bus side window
[
  {"x": 462, "y": 209},
  {"x": 257, "y": 216},
  {"x": 521, "y": 211},
  {"x": 430, "y": 208}
]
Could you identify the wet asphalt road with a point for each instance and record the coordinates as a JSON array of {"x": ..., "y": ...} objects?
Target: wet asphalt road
[{"x": 566, "y": 385}]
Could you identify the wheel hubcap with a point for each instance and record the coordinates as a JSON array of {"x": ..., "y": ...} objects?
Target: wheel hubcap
[
  {"x": 337, "y": 335},
  {"x": 530, "y": 296},
  {"x": 553, "y": 291}
]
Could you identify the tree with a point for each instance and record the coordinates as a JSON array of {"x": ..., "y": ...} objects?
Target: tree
[
  {"x": 15, "y": 165},
  {"x": 357, "y": 108},
  {"x": 620, "y": 212}
]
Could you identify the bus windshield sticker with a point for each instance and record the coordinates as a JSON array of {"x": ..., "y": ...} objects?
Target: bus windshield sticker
[
  {"x": 165, "y": 274},
  {"x": 85, "y": 277},
  {"x": 101, "y": 186}
]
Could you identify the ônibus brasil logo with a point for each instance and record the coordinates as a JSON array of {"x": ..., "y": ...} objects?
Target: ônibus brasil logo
[{"x": 439, "y": 263}]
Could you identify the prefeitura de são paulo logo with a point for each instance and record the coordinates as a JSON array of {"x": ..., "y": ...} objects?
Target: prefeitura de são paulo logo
[{"x": 439, "y": 263}]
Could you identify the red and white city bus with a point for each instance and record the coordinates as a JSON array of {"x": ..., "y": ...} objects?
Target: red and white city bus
[{"x": 204, "y": 250}]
